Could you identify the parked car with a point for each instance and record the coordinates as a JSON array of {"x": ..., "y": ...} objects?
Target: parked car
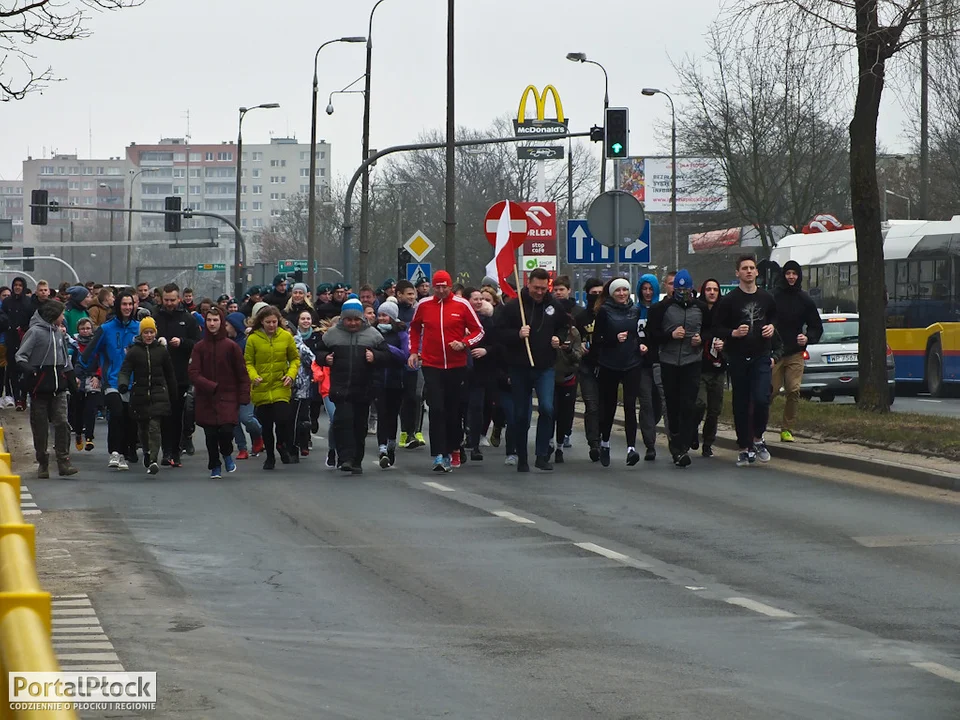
[{"x": 830, "y": 367}]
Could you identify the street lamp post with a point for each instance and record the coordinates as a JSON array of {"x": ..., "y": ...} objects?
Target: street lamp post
[
  {"x": 237, "y": 269},
  {"x": 311, "y": 211},
  {"x": 649, "y": 92},
  {"x": 130, "y": 217},
  {"x": 365, "y": 180},
  {"x": 582, "y": 58}
]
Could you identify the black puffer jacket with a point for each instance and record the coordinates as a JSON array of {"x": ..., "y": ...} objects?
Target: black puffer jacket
[
  {"x": 547, "y": 319},
  {"x": 153, "y": 378},
  {"x": 612, "y": 319},
  {"x": 181, "y": 324},
  {"x": 19, "y": 310},
  {"x": 796, "y": 312}
]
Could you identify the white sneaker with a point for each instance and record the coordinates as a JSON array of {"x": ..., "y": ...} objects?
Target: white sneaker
[
  {"x": 566, "y": 442},
  {"x": 114, "y": 460},
  {"x": 7, "y": 402},
  {"x": 122, "y": 465},
  {"x": 484, "y": 442},
  {"x": 511, "y": 460}
]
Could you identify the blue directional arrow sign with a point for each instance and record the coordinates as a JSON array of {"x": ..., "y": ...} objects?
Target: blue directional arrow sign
[
  {"x": 418, "y": 272},
  {"x": 582, "y": 249}
]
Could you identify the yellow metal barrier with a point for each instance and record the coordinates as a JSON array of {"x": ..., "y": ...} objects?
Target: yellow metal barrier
[{"x": 25, "y": 618}]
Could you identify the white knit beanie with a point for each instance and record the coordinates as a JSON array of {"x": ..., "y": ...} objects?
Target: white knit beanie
[{"x": 619, "y": 283}]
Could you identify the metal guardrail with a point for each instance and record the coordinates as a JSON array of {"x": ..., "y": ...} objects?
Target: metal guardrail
[{"x": 25, "y": 609}]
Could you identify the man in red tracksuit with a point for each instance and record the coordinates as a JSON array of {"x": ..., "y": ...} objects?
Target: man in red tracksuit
[{"x": 443, "y": 330}]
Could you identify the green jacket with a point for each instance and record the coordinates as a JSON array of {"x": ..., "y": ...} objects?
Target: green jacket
[
  {"x": 271, "y": 359},
  {"x": 71, "y": 316}
]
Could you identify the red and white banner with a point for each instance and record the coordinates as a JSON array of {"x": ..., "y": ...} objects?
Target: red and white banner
[{"x": 506, "y": 237}]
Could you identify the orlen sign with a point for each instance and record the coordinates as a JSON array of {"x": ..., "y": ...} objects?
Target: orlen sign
[{"x": 541, "y": 228}]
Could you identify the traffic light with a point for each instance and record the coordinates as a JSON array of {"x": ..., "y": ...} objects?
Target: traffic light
[
  {"x": 28, "y": 265},
  {"x": 171, "y": 221},
  {"x": 617, "y": 132},
  {"x": 298, "y": 276},
  {"x": 38, "y": 215}
]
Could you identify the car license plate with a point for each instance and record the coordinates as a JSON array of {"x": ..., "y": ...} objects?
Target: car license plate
[{"x": 848, "y": 358}]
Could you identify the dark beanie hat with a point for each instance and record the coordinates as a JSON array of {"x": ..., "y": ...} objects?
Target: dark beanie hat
[
  {"x": 51, "y": 310},
  {"x": 591, "y": 283}
]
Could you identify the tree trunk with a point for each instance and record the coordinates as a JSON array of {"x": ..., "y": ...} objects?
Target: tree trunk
[{"x": 864, "y": 193}]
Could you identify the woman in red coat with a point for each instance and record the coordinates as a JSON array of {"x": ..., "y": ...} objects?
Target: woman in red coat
[{"x": 221, "y": 383}]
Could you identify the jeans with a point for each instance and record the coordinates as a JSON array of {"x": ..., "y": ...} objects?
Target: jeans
[
  {"x": 331, "y": 410},
  {"x": 590, "y": 392},
  {"x": 506, "y": 402},
  {"x": 750, "y": 378},
  {"x": 443, "y": 391},
  {"x": 121, "y": 428},
  {"x": 788, "y": 374},
  {"x": 709, "y": 403},
  {"x": 219, "y": 439},
  {"x": 681, "y": 383},
  {"x": 47, "y": 410},
  {"x": 172, "y": 426},
  {"x": 249, "y": 421},
  {"x": 523, "y": 382}
]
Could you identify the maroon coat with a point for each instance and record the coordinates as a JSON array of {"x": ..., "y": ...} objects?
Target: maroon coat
[{"x": 220, "y": 380}]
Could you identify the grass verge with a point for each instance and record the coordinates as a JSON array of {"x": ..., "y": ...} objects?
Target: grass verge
[{"x": 897, "y": 431}]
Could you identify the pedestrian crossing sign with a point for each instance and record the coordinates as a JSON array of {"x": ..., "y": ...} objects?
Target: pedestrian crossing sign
[{"x": 419, "y": 272}]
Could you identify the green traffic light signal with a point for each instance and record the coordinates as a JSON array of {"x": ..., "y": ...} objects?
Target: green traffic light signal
[{"x": 617, "y": 148}]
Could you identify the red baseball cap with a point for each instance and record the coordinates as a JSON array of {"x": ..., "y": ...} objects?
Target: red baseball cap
[{"x": 441, "y": 278}]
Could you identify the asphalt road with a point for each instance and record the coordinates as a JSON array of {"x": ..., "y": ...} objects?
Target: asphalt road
[
  {"x": 922, "y": 403},
  {"x": 650, "y": 592}
]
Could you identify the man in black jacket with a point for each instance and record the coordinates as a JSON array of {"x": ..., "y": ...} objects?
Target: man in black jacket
[
  {"x": 539, "y": 338},
  {"x": 179, "y": 330},
  {"x": 19, "y": 308},
  {"x": 799, "y": 325},
  {"x": 278, "y": 296}
]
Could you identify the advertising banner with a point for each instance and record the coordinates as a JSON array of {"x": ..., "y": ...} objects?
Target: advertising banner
[{"x": 700, "y": 184}]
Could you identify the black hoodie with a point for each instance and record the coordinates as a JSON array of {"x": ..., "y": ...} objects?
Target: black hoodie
[
  {"x": 19, "y": 310},
  {"x": 796, "y": 312},
  {"x": 546, "y": 320}
]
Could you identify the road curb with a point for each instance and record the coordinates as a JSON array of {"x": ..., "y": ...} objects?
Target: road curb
[{"x": 838, "y": 461}]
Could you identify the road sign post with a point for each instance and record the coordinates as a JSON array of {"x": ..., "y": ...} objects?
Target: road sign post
[
  {"x": 212, "y": 267},
  {"x": 419, "y": 272},
  {"x": 583, "y": 249}
]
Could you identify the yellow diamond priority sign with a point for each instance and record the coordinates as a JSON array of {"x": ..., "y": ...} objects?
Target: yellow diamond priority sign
[{"x": 419, "y": 245}]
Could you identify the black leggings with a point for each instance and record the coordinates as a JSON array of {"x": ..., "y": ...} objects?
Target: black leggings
[
  {"x": 389, "y": 401},
  {"x": 219, "y": 442},
  {"x": 609, "y": 381},
  {"x": 300, "y": 418},
  {"x": 270, "y": 415},
  {"x": 121, "y": 427},
  {"x": 85, "y": 407}
]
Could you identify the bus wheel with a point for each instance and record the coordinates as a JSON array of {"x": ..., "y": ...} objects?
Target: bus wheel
[{"x": 934, "y": 370}]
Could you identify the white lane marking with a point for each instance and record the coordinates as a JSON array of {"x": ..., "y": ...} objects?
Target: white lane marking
[
  {"x": 929, "y": 401},
  {"x": 81, "y": 596},
  {"x": 438, "y": 486},
  {"x": 106, "y": 667},
  {"x": 76, "y": 621},
  {"x": 506, "y": 515},
  {"x": 60, "y": 611},
  {"x": 93, "y": 645},
  {"x": 26, "y": 496},
  {"x": 68, "y": 637},
  {"x": 28, "y": 504},
  {"x": 939, "y": 670},
  {"x": 694, "y": 587},
  {"x": 85, "y": 602},
  {"x": 30, "y": 512},
  {"x": 58, "y": 631},
  {"x": 879, "y": 541},
  {"x": 759, "y": 607},
  {"x": 600, "y": 550},
  {"x": 88, "y": 657}
]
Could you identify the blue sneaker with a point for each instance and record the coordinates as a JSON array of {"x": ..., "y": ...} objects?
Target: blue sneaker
[
  {"x": 438, "y": 464},
  {"x": 215, "y": 473},
  {"x": 447, "y": 464},
  {"x": 229, "y": 464}
]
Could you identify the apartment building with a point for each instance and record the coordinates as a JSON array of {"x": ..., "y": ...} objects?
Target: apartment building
[
  {"x": 85, "y": 189},
  {"x": 11, "y": 207}
]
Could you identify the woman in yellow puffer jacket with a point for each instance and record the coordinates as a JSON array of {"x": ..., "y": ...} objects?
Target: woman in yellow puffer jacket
[{"x": 272, "y": 363}]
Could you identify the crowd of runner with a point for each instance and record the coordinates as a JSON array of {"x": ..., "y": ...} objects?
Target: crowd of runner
[{"x": 155, "y": 363}]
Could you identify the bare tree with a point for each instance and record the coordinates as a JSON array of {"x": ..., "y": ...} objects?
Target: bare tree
[
  {"x": 877, "y": 30},
  {"x": 769, "y": 117},
  {"x": 26, "y": 23}
]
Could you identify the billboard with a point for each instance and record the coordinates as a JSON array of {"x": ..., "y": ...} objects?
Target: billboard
[{"x": 700, "y": 183}]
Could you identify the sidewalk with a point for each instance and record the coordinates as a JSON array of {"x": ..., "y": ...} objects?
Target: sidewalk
[{"x": 905, "y": 467}]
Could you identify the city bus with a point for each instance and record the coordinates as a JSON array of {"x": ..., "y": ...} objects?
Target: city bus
[{"x": 922, "y": 279}]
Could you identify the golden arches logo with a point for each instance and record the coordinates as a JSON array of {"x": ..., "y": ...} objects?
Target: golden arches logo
[{"x": 540, "y": 99}]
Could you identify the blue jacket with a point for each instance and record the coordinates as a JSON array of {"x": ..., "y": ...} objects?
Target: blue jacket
[
  {"x": 651, "y": 357},
  {"x": 109, "y": 347}
]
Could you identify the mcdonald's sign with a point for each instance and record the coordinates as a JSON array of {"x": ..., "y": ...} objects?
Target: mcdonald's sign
[{"x": 541, "y": 126}]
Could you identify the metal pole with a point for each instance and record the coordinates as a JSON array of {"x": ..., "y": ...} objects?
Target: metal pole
[
  {"x": 111, "y": 246},
  {"x": 884, "y": 199},
  {"x": 616, "y": 234},
  {"x": 312, "y": 207},
  {"x": 569, "y": 179},
  {"x": 130, "y": 229},
  {"x": 365, "y": 187},
  {"x": 237, "y": 267},
  {"x": 450, "y": 228},
  {"x": 673, "y": 186},
  {"x": 924, "y": 114}
]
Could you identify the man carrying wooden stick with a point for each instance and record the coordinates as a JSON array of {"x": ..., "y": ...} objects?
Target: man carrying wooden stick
[
  {"x": 443, "y": 330},
  {"x": 532, "y": 327}
]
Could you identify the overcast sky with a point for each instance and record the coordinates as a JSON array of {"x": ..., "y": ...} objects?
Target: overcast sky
[{"x": 142, "y": 69}]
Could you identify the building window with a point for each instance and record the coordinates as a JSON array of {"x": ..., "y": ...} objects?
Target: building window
[
  {"x": 88, "y": 201},
  {"x": 194, "y": 189},
  {"x": 258, "y": 189},
  {"x": 257, "y": 156},
  {"x": 113, "y": 171},
  {"x": 47, "y": 170},
  {"x": 274, "y": 179},
  {"x": 88, "y": 184},
  {"x": 195, "y": 157},
  {"x": 179, "y": 172},
  {"x": 283, "y": 178},
  {"x": 88, "y": 171},
  {"x": 74, "y": 170},
  {"x": 257, "y": 172},
  {"x": 305, "y": 189},
  {"x": 209, "y": 156},
  {"x": 196, "y": 172},
  {"x": 274, "y": 196},
  {"x": 224, "y": 156},
  {"x": 257, "y": 223},
  {"x": 243, "y": 207},
  {"x": 304, "y": 172},
  {"x": 73, "y": 185},
  {"x": 179, "y": 157},
  {"x": 101, "y": 171},
  {"x": 274, "y": 213},
  {"x": 257, "y": 206},
  {"x": 179, "y": 189},
  {"x": 321, "y": 172},
  {"x": 243, "y": 222}
]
